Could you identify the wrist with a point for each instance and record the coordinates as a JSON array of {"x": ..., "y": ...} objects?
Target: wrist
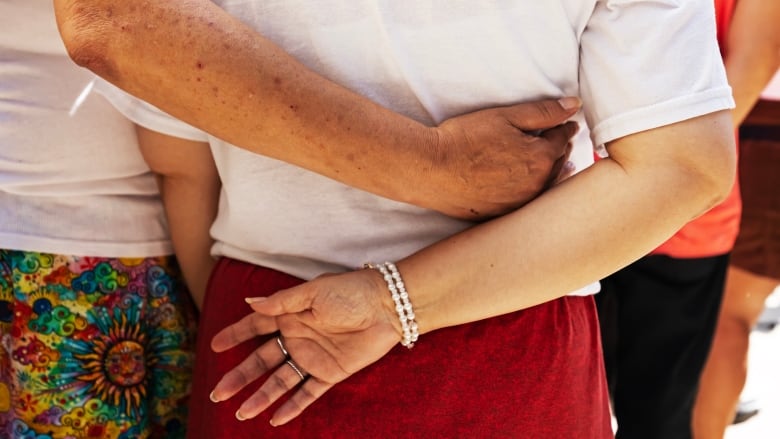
[
  {"x": 419, "y": 162},
  {"x": 427, "y": 176},
  {"x": 400, "y": 303},
  {"x": 379, "y": 286}
]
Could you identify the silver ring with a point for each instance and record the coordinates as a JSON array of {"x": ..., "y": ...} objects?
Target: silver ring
[
  {"x": 295, "y": 367},
  {"x": 281, "y": 346}
]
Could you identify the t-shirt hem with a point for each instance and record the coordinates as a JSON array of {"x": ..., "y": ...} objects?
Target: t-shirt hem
[
  {"x": 663, "y": 113},
  {"x": 82, "y": 248}
]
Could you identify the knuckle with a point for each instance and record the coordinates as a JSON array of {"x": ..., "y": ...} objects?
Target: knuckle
[
  {"x": 259, "y": 362},
  {"x": 277, "y": 381},
  {"x": 306, "y": 394},
  {"x": 241, "y": 376},
  {"x": 546, "y": 110}
]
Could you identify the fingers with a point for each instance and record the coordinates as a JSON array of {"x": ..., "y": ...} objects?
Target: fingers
[
  {"x": 247, "y": 328},
  {"x": 287, "y": 376},
  {"x": 284, "y": 379},
  {"x": 309, "y": 392},
  {"x": 542, "y": 114},
  {"x": 561, "y": 135},
  {"x": 289, "y": 301},
  {"x": 263, "y": 359},
  {"x": 562, "y": 168},
  {"x": 555, "y": 145}
]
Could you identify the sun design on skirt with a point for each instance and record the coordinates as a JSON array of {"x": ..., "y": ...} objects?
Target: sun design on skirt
[
  {"x": 114, "y": 365},
  {"x": 117, "y": 368}
]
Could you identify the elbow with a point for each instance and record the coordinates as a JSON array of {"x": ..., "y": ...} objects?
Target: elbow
[
  {"x": 703, "y": 162},
  {"x": 84, "y": 32},
  {"x": 717, "y": 179},
  {"x": 721, "y": 183}
]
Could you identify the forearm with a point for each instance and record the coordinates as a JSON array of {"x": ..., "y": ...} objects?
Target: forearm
[
  {"x": 245, "y": 90},
  {"x": 578, "y": 232},
  {"x": 189, "y": 186},
  {"x": 198, "y": 63},
  {"x": 189, "y": 231},
  {"x": 753, "y": 52}
]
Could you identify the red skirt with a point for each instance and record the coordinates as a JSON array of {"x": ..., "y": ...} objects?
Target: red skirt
[{"x": 537, "y": 373}]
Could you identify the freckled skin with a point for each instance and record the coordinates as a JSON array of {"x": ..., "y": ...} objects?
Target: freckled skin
[{"x": 161, "y": 55}]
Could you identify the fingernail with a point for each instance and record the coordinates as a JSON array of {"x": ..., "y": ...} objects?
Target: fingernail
[
  {"x": 273, "y": 424},
  {"x": 239, "y": 416},
  {"x": 251, "y": 300},
  {"x": 212, "y": 397},
  {"x": 570, "y": 103}
]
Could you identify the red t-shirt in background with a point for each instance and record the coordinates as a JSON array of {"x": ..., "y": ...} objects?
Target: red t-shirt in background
[{"x": 714, "y": 232}]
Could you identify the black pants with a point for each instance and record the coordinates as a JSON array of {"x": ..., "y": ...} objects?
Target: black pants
[{"x": 658, "y": 318}]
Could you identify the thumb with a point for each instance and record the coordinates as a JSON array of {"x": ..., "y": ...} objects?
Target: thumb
[
  {"x": 289, "y": 301},
  {"x": 544, "y": 114}
]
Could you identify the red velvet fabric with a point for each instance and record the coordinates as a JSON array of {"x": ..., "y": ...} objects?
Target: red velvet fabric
[{"x": 537, "y": 373}]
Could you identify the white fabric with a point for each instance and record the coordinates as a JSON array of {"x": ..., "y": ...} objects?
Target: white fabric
[
  {"x": 72, "y": 180},
  {"x": 642, "y": 64}
]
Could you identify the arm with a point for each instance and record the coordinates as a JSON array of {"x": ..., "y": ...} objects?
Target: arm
[
  {"x": 753, "y": 54},
  {"x": 201, "y": 65},
  {"x": 190, "y": 187},
  {"x": 564, "y": 239}
]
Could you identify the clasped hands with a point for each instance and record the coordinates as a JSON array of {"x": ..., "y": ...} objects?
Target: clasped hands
[{"x": 336, "y": 325}]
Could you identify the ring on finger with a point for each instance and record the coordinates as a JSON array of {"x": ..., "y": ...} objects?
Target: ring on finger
[
  {"x": 296, "y": 368},
  {"x": 282, "y": 347}
]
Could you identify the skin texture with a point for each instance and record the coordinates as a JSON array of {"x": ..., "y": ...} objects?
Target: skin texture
[
  {"x": 753, "y": 58},
  {"x": 680, "y": 169},
  {"x": 191, "y": 59}
]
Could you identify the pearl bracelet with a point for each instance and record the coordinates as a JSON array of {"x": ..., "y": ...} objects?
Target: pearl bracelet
[{"x": 401, "y": 299}]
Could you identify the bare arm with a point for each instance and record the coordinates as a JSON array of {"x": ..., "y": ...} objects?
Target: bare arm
[
  {"x": 589, "y": 226},
  {"x": 190, "y": 186},
  {"x": 753, "y": 52},
  {"x": 570, "y": 237},
  {"x": 193, "y": 60}
]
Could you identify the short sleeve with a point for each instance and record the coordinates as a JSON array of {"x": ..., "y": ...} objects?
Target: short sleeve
[
  {"x": 147, "y": 115},
  {"x": 650, "y": 63}
]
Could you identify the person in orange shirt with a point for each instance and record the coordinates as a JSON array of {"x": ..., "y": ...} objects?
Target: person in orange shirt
[
  {"x": 753, "y": 57},
  {"x": 659, "y": 315}
]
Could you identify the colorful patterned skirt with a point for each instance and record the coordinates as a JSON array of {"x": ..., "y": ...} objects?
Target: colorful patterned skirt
[{"x": 93, "y": 347}]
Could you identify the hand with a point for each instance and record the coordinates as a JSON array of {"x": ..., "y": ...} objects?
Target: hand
[
  {"x": 493, "y": 161},
  {"x": 332, "y": 327}
]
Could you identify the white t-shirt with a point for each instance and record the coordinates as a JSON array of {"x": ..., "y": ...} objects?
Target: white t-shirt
[
  {"x": 636, "y": 64},
  {"x": 72, "y": 180}
]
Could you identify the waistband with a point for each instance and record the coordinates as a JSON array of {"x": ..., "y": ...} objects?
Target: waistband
[{"x": 760, "y": 132}]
